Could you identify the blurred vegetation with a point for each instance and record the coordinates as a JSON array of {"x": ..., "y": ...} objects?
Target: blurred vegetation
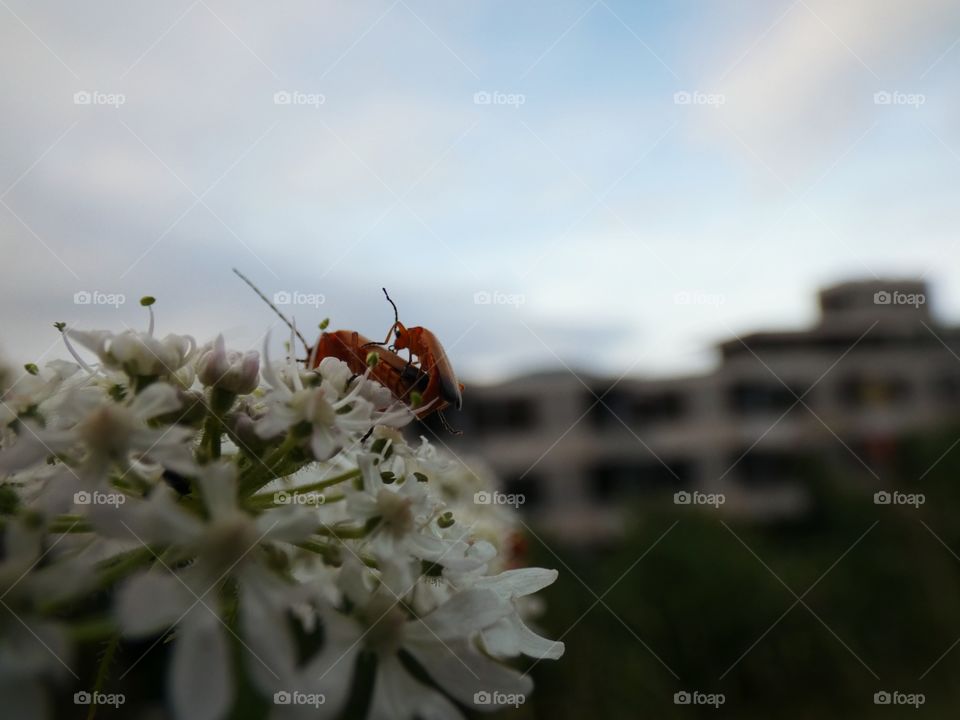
[{"x": 699, "y": 599}]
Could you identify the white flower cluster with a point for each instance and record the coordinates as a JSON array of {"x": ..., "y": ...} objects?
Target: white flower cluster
[{"x": 281, "y": 534}]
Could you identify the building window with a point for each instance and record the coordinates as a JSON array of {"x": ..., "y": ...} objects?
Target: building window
[
  {"x": 495, "y": 415},
  {"x": 529, "y": 486},
  {"x": 857, "y": 391},
  {"x": 634, "y": 409},
  {"x": 766, "y": 467},
  {"x": 753, "y": 398},
  {"x": 610, "y": 480},
  {"x": 947, "y": 389}
]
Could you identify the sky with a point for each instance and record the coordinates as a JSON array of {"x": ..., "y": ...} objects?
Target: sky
[{"x": 607, "y": 186}]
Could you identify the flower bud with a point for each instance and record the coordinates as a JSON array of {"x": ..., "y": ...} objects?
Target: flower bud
[{"x": 234, "y": 372}]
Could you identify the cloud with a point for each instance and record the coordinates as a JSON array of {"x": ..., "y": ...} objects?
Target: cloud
[{"x": 800, "y": 87}]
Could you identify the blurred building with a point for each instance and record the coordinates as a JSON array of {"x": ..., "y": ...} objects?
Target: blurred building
[{"x": 876, "y": 366}]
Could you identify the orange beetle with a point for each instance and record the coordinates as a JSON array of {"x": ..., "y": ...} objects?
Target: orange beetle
[
  {"x": 392, "y": 371},
  {"x": 431, "y": 376},
  {"x": 443, "y": 388}
]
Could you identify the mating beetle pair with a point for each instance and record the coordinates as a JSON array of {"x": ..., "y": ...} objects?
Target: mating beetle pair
[{"x": 426, "y": 372}]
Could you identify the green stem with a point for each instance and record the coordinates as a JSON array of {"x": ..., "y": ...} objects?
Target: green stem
[
  {"x": 266, "y": 501},
  {"x": 125, "y": 564},
  {"x": 349, "y": 533},
  {"x": 211, "y": 436},
  {"x": 63, "y": 524},
  {"x": 262, "y": 472},
  {"x": 102, "y": 673},
  {"x": 331, "y": 553},
  {"x": 99, "y": 629},
  {"x": 213, "y": 427}
]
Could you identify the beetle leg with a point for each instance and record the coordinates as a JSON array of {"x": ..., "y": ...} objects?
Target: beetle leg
[{"x": 446, "y": 425}]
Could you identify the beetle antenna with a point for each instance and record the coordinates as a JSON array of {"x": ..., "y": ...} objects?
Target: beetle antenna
[
  {"x": 272, "y": 307},
  {"x": 396, "y": 314}
]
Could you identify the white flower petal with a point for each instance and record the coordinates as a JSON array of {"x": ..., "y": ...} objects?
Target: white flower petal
[
  {"x": 536, "y": 646},
  {"x": 463, "y": 672},
  {"x": 157, "y": 519},
  {"x": 353, "y": 584},
  {"x": 269, "y": 646},
  {"x": 330, "y": 672},
  {"x": 218, "y": 484},
  {"x": 461, "y": 615},
  {"x": 322, "y": 443},
  {"x": 32, "y": 446},
  {"x": 397, "y": 696},
  {"x": 150, "y": 602},
  {"x": 287, "y": 524},
  {"x": 511, "y": 637},
  {"x": 500, "y": 639},
  {"x": 201, "y": 683},
  {"x": 517, "y": 583},
  {"x": 156, "y": 399}
]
